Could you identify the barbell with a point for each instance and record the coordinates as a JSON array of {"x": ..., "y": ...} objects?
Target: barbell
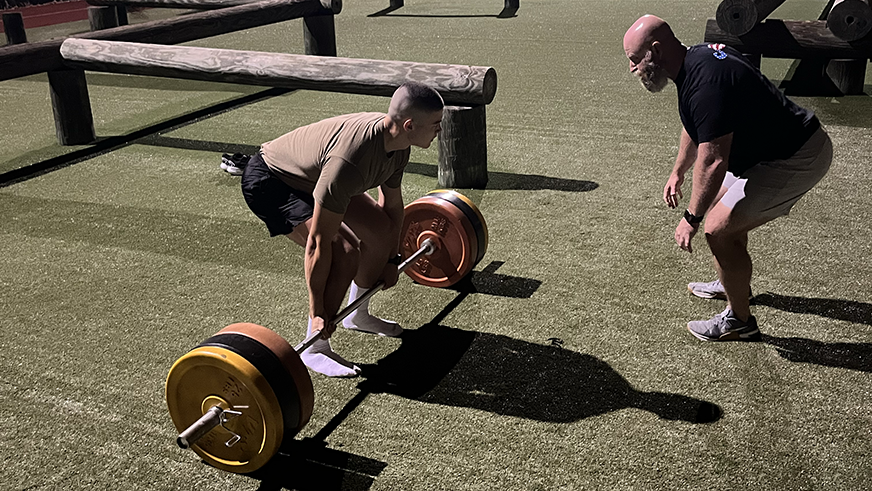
[{"x": 238, "y": 395}]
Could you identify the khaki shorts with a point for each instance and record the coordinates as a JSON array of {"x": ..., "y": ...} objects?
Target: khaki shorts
[{"x": 770, "y": 189}]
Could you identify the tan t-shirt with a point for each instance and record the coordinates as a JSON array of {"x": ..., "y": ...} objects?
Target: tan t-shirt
[{"x": 336, "y": 158}]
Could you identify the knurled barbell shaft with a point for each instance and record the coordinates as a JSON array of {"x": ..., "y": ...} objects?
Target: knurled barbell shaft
[{"x": 427, "y": 248}]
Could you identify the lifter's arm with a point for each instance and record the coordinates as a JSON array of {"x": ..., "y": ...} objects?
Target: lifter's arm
[
  {"x": 687, "y": 152},
  {"x": 318, "y": 261},
  {"x": 391, "y": 201},
  {"x": 709, "y": 171}
]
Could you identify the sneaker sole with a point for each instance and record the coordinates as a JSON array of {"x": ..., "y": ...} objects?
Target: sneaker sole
[
  {"x": 713, "y": 296},
  {"x": 730, "y": 336},
  {"x": 718, "y": 296}
]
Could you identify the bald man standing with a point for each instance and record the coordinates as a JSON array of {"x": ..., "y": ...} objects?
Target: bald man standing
[
  {"x": 311, "y": 184},
  {"x": 754, "y": 153}
]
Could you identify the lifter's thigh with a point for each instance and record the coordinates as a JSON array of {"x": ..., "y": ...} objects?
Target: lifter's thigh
[{"x": 369, "y": 222}]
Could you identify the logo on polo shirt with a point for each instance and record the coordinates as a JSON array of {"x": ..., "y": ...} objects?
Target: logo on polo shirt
[{"x": 719, "y": 54}]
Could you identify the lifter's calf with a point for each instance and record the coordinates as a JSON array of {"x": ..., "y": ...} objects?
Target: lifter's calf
[{"x": 734, "y": 269}]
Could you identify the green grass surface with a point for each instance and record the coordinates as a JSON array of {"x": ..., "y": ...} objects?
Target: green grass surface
[{"x": 116, "y": 266}]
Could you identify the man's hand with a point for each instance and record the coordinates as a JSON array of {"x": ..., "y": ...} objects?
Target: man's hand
[
  {"x": 672, "y": 190},
  {"x": 327, "y": 328},
  {"x": 389, "y": 275},
  {"x": 684, "y": 233}
]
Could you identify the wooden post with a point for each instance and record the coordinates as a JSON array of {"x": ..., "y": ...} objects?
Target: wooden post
[
  {"x": 512, "y": 4},
  {"x": 850, "y": 20},
  {"x": 121, "y": 12},
  {"x": 13, "y": 26},
  {"x": 102, "y": 18},
  {"x": 395, "y": 4},
  {"x": 463, "y": 147},
  {"x": 847, "y": 75},
  {"x": 319, "y": 35},
  {"x": 71, "y": 105},
  {"x": 738, "y": 17}
]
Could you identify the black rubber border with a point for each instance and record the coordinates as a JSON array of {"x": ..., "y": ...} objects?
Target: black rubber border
[
  {"x": 268, "y": 364},
  {"x": 481, "y": 240}
]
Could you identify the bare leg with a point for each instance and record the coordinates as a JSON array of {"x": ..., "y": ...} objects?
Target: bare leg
[
  {"x": 371, "y": 225},
  {"x": 320, "y": 357},
  {"x": 727, "y": 236}
]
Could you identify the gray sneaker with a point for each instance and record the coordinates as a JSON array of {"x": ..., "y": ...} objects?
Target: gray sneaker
[
  {"x": 712, "y": 289},
  {"x": 725, "y": 327}
]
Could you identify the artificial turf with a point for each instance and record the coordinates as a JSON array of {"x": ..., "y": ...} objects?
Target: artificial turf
[{"x": 568, "y": 367}]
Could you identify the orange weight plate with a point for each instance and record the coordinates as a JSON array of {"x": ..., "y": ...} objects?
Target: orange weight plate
[{"x": 453, "y": 233}]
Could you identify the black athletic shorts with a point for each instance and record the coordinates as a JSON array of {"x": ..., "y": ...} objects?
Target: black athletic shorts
[{"x": 280, "y": 206}]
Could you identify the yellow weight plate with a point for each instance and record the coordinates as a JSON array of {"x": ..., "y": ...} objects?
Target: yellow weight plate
[{"x": 208, "y": 375}]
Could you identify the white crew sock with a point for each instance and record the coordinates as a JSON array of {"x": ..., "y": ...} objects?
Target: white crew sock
[
  {"x": 362, "y": 320},
  {"x": 321, "y": 358}
]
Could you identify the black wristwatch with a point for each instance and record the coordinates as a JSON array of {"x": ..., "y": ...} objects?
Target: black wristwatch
[
  {"x": 396, "y": 260},
  {"x": 691, "y": 218}
]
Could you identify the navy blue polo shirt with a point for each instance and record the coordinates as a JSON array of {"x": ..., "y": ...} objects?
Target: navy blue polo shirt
[{"x": 719, "y": 93}]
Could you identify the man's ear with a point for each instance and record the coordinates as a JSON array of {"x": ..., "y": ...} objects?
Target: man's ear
[
  {"x": 656, "y": 49},
  {"x": 407, "y": 124}
]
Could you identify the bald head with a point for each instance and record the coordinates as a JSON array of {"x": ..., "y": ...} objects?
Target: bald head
[
  {"x": 653, "y": 51},
  {"x": 642, "y": 34}
]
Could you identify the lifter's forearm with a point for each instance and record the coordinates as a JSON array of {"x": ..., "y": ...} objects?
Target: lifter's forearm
[
  {"x": 318, "y": 259},
  {"x": 687, "y": 153},
  {"x": 709, "y": 171}
]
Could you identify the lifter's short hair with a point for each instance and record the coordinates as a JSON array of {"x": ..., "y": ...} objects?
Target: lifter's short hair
[{"x": 414, "y": 97}]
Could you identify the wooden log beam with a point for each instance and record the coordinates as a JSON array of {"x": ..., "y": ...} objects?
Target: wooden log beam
[
  {"x": 28, "y": 59},
  {"x": 738, "y": 17},
  {"x": 850, "y": 20},
  {"x": 176, "y": 4},
  {"x": 790, "y": 39},
  {"x": 458, "y": 84}
]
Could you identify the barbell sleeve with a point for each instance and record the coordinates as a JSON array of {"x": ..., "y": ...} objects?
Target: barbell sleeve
[
  {"x": 211, "y": 419},
  {"x": 427, "y": 247}
]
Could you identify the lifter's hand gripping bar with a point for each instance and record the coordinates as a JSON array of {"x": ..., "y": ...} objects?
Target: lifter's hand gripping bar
[{"x": 427, "y": 247}]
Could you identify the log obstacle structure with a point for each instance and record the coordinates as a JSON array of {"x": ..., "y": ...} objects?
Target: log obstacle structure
[
  {"x": 738, "y": 17},
  {"x": 509, "y": 4},
  {"x": 850, "y": 20},
  {"x": 32, "y": 58},
  {"x": 836, "y": 45},
  {"x": 465, "y": 89},
  {"x": 241, "y": 395},
  {"x": 68, "y": 90}
]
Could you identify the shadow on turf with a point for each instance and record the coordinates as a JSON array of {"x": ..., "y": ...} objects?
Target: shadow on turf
[
  {"x": 490, "y": 372},
  {"x": 506, "y": 13},
  {"x": 853, "y": 356},
  {"x": 107, "y": 144},
  {"x": 509, "y": 181},
  {"x": 496, "y": 180},
  {"x": 495, "y": 373},
  {"x": 305, "y": 465}
]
